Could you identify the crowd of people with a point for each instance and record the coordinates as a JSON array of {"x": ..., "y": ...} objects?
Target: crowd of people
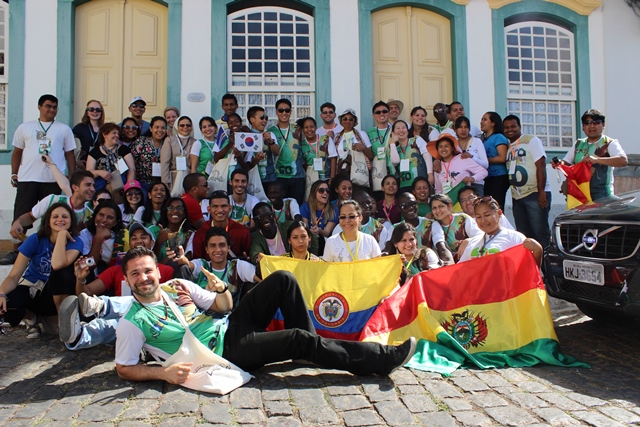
[{"x": 207, "y": 209}]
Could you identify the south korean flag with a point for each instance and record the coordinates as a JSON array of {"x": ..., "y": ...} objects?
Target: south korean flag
[{"x": 249, "y": 142}]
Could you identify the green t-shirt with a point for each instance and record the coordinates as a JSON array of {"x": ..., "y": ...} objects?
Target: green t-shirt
[{"x": 289, "y": 163}]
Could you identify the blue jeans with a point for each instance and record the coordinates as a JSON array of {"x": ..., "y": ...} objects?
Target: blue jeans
[
  {"x": 531, "y": 219},
  {"x": 102, "y": 329}
]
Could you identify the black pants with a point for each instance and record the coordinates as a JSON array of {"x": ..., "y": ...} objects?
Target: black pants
[
  {"x": 28, "y": 194},
  {"x": 19, "y": 301},
  {"x": 248, "y": 345},
  {"x": 497, "y": 187},
  {"x": 294, "y": 188}
]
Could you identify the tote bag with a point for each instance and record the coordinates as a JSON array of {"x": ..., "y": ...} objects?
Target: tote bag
[
  {"x": 359, "y": 169},
  {"x": 254, "y": 186},
  {"x": 311, "y": 177},
  {"x": 219, "y": 174}
]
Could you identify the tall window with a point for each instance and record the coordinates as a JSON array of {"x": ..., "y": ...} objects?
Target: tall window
[
  {"x": 270, "y": 56},
  {"x": 541, "y": 81},
  {"x": 4, "y": 48}
]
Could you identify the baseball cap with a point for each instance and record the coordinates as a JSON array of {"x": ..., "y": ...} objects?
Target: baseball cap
[
  {"x": 138, "y": 226},
  {"x": 132, "y": 184},
  {"x": 136, "y": 99}
]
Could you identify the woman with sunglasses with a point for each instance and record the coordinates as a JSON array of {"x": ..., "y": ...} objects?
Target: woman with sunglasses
[
  {"x": 133, "y": 200},
  {"x": 150, "y": 213},
  {"x": 129, "y": 131},
  {"x": 146, "y": 154},
  {"x": 174, "y": 155},
  {"x": 88, "y": 130},
  {"x": 202, "y": 149},
  {"x": 415, "y": 259},
  {"x": 319, "y": 215},
  {"x": 494, "y": 238},
  {"x": 176, "y": 230},
  {"x": 100, "y": 196},
  {"x": 408, "y": 155},
  {"x": 351, "y": 244},
  {"x": 368, "y": 225},
  {"x": 449, "y": 229},
  {"x": 110, "y": 156},
  {"x": 496, "y": 146}
]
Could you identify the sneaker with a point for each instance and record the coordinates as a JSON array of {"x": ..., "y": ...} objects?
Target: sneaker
[
  {"x": 10, "y": 259},
  {"x": 69, "y": 320},
  {"x": 90, "y": 306},
  {"x": 34, "y": 332},
  {"x": 408, "y": 349}
]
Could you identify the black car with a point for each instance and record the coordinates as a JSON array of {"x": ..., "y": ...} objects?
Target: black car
[{"x": 593, "y": 258}]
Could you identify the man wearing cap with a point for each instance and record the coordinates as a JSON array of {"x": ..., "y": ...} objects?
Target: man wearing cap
[
  {"x": 107, "y": 310},
  {"x": 137, "y": 107},
  {"x": 196, "y": 189},
  {"x": 395, "y": 109}
]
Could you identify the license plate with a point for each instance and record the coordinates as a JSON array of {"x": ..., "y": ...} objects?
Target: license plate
[{"x": 584, "y": 272}]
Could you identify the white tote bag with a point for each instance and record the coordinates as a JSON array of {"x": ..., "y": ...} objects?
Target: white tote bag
[
  {"x": 359, "y": 169},
  {"x": 254, "y": 187},
  {"x": 209, "y": 372},
  {"x": 378, "y": 171},
  {"x": 311, "y": 177},
  {"x": 177, "y": 189},
  {"x": 218, "y": 177}
]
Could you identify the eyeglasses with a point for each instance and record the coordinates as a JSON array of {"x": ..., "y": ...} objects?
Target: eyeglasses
[
  {"x": 134, "y": 193},
  {"x": 350, "y": 217},
  {"x": 348, "y": 119},
  {"x": 264, "y": 117},
  {"x": 328, "y": 112},
  {"x": 138, "y": 105},
  {"x": 219, "y": 194},
  {"x": 94, "y": 110},
  {"x": 468, "y": 199},
  {"x": 102, "y": 199},
  {"x": 175, "y": 208},
  {"x": 381, "y": 112},
  {"x": 592, "y": 122},
  {"x": 263, "y": 216},
  {"x": 184, "y": 125},
  {"x": 206, "y": 184},
  {"x": 486, "y": 199},
  {"x": 407, "y": 205},
  {"x": 440, "y": 110},
  {"x": 50, "y": 107},
  {"x": 284, "y": 110},
  {"x": 323, "y": 190},
  {"x": 130, "y": 127}
]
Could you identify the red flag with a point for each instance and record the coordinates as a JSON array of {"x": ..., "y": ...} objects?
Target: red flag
[{"x": 578, "y": 183}]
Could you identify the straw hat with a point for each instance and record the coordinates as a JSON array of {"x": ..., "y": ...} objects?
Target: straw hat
[{"x": 432, "y": 146}]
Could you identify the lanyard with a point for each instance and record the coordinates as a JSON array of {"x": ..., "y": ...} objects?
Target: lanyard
[
  {"x": 319, "y": 217},
  {"x": 48, "y": 127},
  {"x": 447, "y": 168},
  {"x": 387, "y": 212},
  {"x": 446, "y": 233},
  {"x": 315, "y": 145},
  {"x": 409, "y": 263},
  {"x": 224, "y": 273},
  {"x": 94, "y": 136},
  {"x": 286, "y": 138},
  {"x": 482, "y": 251},
  {"x": 404, "y": 150},
  {"x": 384, "y": 138},
  {"x": 353, "y": 258},
  {"x": 156, "y": 150},
  {"x": 183, "y": 146},
  {"x": 514, "y": 150}
]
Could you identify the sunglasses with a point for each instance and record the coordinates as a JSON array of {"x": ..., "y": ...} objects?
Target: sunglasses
[
  {"x": 485, "y": 199},
  {"x": 138, "y": 105},
  {"x": 94, "y": 110},
  {"x": 407, "y": 205},
  {"x": 219, "y": 194},
  {"x": 265, "y": 117},
  {"x": 323, "y": 190},
  {"x": 263, "y": 216},
  {"x": 348, "y": 119},
  {"x": 184, "y": 125},
  {"x": 381, "y": 112},
  {"x": 206, "y": 185},
  {"x": 592, "y": 122},
  {"x": 440, "y": 110},
  {"x": 102, "y": 199},
  {"x": 284, "y": 110},
  {"x": 351, "y": 217},
  {"x": 134, "y": 193},
  {"x": 130, "y": 127},
  {"x": 175, "y": 208},
  {"x": 327, "y": 112},
  {"x": 468, "y": 199}
]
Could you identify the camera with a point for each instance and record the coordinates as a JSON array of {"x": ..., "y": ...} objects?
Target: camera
[{"x": 89, "y": 262}]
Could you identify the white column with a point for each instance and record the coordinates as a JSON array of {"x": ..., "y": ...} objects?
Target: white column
[{"x": 480, "y": 60}]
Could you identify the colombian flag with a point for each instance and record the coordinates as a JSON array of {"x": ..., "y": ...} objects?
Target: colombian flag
[
  {"x": 453, "y": 195},
  {"x": 578, "y": 183},
  {"x": 340, "y": 296},
  {"x": 486, "y": 313}
]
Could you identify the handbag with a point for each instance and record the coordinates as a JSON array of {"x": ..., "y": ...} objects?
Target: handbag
[
  {"x": 218, "y": 177},
  {"x": 254, "y": 186},
  {"x": 209, "y": 372},
  {"x": 176, "y": 188},
  {"x": 378, "y": 172},
  {"x": 312, "y": 176},
  {"x": 116, "y": 180},
  {"x": 359, "y": 170}
]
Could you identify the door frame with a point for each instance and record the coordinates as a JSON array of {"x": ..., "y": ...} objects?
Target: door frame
[
  {"x": 65, "y": 70},
  {"x": 459, "y": 64}
]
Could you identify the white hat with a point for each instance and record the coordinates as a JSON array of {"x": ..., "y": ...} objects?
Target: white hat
[{"x": 136, "y": 99}]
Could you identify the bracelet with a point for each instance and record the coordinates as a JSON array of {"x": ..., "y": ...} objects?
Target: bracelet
[
  {"x": 3, "y": 296},
  {"x": 81, "y": 282},
  {"x": 226, "y": 288},
  {"x": 14, "y": 174}
]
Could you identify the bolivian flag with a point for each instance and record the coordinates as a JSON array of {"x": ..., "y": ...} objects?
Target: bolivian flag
[
  {"x": 487, "y": 313},
  {"x": 578, "y": 183},
  {"x": 453, "y": 195},
  {"x": 340, "y": 296}
]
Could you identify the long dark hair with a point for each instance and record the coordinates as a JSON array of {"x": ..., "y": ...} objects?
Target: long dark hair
[
  {"x": 495, "y": 118},
  {"x": 424, "y": 132},
  {"x": 91, "y": 225},
  {"x": 147, "y": 215},
  {"x": 45, "y": 224},
  {"x": 164, "y": 221},
  {"x": 396, "y": 236},
  {"x": 138, "y": 131}
]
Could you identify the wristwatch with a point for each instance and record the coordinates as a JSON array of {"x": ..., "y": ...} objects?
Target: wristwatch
[{"x": 226, "y": 288}]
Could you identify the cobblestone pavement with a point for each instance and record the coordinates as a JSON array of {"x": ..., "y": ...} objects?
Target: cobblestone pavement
[{"x": 41, "y": 383}]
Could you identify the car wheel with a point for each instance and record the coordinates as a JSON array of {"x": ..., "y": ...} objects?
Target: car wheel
[{"x": 601, "y": 314}]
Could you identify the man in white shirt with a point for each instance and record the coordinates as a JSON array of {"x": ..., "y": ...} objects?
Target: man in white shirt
[
  {"x": 30, "y": 175},
  {"x": 329, "y": 125}
]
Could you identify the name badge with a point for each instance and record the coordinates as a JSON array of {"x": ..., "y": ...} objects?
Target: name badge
[
  {"x": 122, "y": 166},
  {"x": 181, "y": 163},
  {"x": 317, "y": 164},
  {"x": 156, "y": 169},
  {"x": 209, "y": 168},
  {"x": 512, "y": 167},
  {"x": 446, "y": 187},
  {"x": 405, "y": 165},
  {"x": 125, "y": 290},
  {"x": 381, "y": 153}
]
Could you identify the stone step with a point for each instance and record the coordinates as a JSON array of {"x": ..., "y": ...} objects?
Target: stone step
[{"x": 4, "y": 272}]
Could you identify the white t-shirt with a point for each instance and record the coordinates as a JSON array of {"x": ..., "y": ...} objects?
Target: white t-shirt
[
  {"x": 504, "y": 222},
  {"x": 243, "y": 212},
  {"x": 350, "y": 139},
  {"x": 476, "y": 149},
  {"x": 82, "y": 214},
  {"x": 502, "y": 241},
  {"x": 335, "y": 249},
  {"x": 322, "y": 131},
  {"x": 470, "y": 227},
  {"x": 197, "y": 146},
  {"x": 58, "y": 140},
  {"x": 107, "y": 246},
  {"x": 246, "y": 271},
  {"x": 385, "y": 234}
]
